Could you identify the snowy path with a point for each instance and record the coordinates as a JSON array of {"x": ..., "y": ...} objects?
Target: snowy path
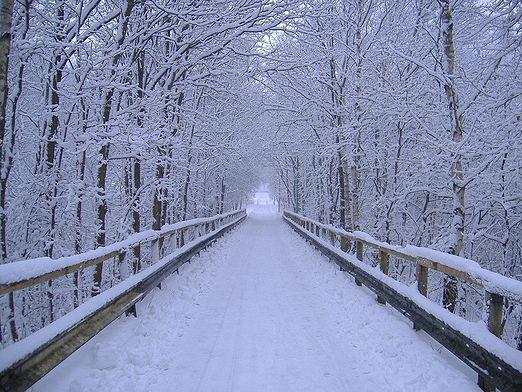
[{"x": 260, "y": 311}]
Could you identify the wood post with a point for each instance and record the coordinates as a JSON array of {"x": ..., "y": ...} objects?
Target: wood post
[
  {"x": 422, "y": 285},
  {"x": 155, "y": 256},
  {"x": 317, "y": 232},
  {"x": 345, "y": 246},
  {"x": 332, "y": 237},
  {"x": 181, "y": 234},
  {"x": 345, "y": 243},
  {"x": 495, "y": 306},
  {"x": 173, "y": 242},
  {"x": 422, "y": 280},
  {"x": 359, "y": 253},
  {"x": 155, "y": 252},
  {"x": 384, "y": 259}
]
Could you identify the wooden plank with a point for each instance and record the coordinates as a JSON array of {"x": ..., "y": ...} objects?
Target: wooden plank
[
  {"x": 463, "y": 276},
  {"x": 492, "y": 368},
  {"x": 369, "y": 244},
  {"x": 23, "y": 374},
  {"x": 21, "y": 284},
  {"x": 402, "y": 255}
]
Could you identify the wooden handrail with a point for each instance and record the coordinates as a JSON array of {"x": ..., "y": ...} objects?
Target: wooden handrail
[
  {"x": 25, "y": 273},
  {"x": 458, "y": 267}
]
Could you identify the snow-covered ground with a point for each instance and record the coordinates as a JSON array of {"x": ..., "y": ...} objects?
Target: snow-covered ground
[{"x": 260, "y": 311}]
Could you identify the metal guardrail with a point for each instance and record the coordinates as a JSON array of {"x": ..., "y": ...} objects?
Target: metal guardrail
[
  {"x": 50, "y": 346},
  {"x": 484, "y": 355}
]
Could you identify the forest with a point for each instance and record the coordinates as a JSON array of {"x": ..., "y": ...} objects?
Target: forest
[{"x": 398, "y": 118}]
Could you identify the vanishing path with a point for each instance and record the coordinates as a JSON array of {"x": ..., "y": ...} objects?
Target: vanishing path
[{"x": 260, "y": 311}]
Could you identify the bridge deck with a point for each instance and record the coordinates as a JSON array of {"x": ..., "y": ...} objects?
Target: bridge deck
[{"x": 260, "y": 311}]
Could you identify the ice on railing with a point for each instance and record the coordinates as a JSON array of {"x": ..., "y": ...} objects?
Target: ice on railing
[{"x": 29, "y": 269}]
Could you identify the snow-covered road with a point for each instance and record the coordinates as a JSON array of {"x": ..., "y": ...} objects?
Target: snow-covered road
[{"x": 260, "y": 311}]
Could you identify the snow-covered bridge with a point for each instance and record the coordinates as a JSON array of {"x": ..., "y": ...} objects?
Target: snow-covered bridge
[{"x": 261, "y": 310}]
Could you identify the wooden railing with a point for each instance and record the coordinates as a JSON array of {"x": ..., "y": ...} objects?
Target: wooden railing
[
  {"x": 497, "y": 364},
  {"x": 25, "y": 362},
  {"x": 26, "y": 273}
]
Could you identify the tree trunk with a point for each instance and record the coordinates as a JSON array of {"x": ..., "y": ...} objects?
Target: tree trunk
[
  {"x": 222, "y": 196},
  {"x": 104, "y": 148},
  {"x": 136, "y": 172},
  {"x": 450, "y": 294},
  {"x": 6, "y": 18},
  {"x": 7, "y": 144}
]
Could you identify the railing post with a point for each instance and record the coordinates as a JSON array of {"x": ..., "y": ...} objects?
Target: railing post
[
  {"x": 384, "y": 259},
  {"x": 422, "y": 285},
  {"x": 156, "y": 252},
  {"x": 345, "y": 243},
  {"x": 123, "y": 267},
  {"x": 131, "y": 311},
  {"x": 169, "y": 243},
  {"x": 317, "y": 231},
  {"x": 495, "y": 306},
  {"x": 359, "y": 253},
  {"x": 332, "y": 237},
  {"x": 345, "y": 246},
  {"x": 181, "y": 235}
]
